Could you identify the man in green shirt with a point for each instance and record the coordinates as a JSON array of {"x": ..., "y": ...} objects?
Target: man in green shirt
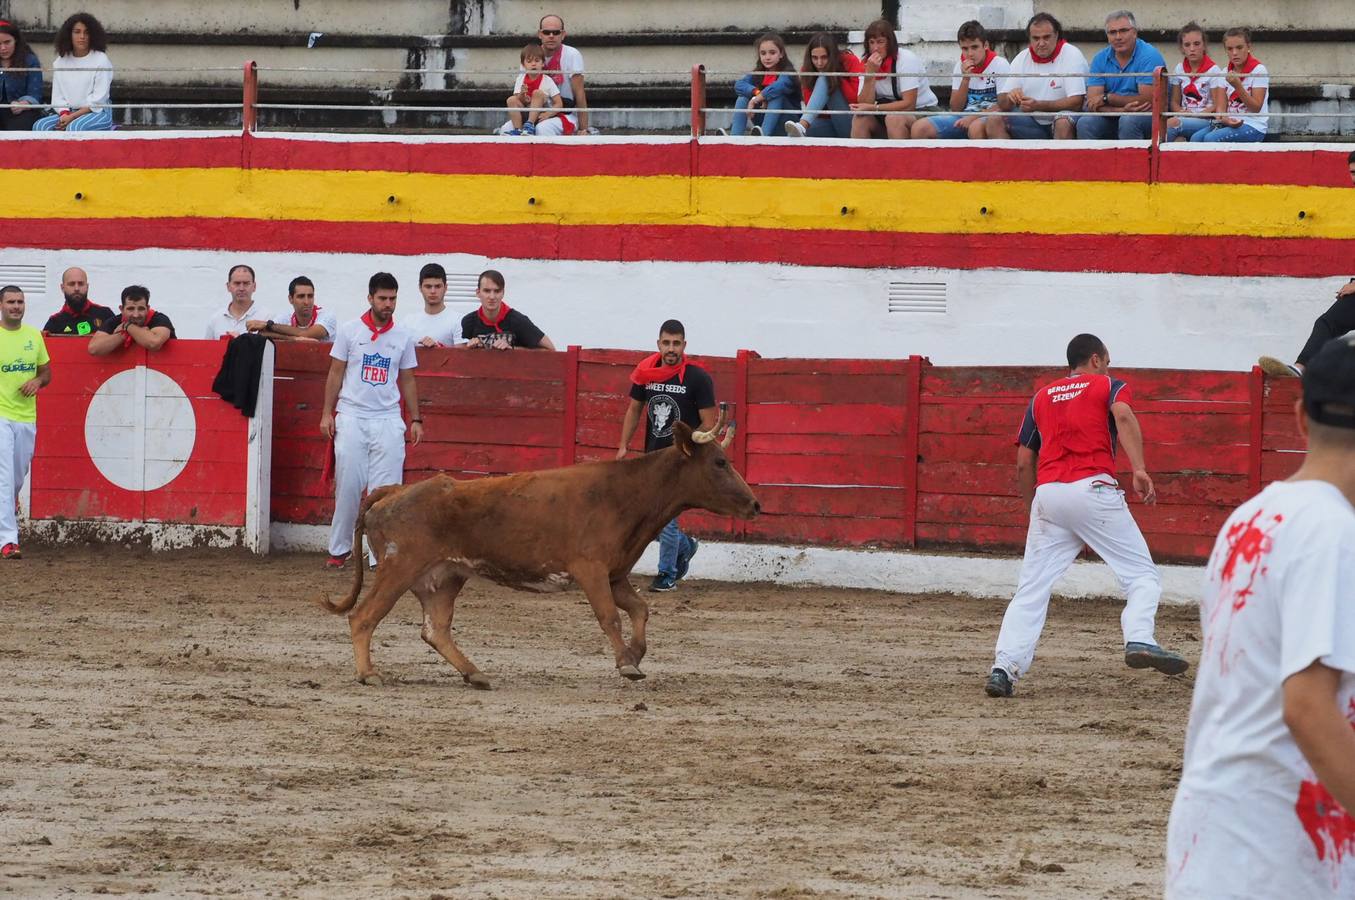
[{"x": 25, "y": 368}]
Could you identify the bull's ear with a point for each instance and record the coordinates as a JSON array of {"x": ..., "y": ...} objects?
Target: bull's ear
[{"x": 682, "y": 438}]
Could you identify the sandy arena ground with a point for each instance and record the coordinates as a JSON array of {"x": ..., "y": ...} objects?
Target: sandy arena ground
[{"x": 187, "y": 725}]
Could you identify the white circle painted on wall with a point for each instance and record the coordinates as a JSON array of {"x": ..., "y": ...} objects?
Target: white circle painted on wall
[{"x": 140, "y": 429}]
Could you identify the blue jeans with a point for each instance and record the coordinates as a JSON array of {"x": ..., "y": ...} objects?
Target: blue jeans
[
  {"x": 1222, "y": 134},
  {"x": 671, "y": 543},
  {"x": 946, "y": 129},
  {"x": 1188, "y": 129},
  {"x": 770, "y": 121},
  {"x": 827, "y": 126},
  {"x": 1025, "y": 128},
  {"x": 1108, "y": 128}
]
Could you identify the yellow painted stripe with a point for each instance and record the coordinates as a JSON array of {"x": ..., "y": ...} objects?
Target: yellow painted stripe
[{"x": 939, "y": 207}]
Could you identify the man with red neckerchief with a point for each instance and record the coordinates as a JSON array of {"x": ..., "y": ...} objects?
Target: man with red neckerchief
[
  {"x": 371, "y": 370},
  {"x": 135, "y": 325},
  {"x": 494, "y": 326},
  {"x": 308, "y": 321},
  {"x": 78, "y": 317},
  {"x": 1046, "y": 88},
  {"x": 667, "y": 388}
]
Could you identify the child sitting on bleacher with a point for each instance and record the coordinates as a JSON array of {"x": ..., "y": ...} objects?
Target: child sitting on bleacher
[
  {"x": 1197, "y": 87},
  {"x": 973, "y": 90},
  {"x": 533, "y": 91},
  {"x": 770, "y": 88},
  {"x": 828, "y": 97}
]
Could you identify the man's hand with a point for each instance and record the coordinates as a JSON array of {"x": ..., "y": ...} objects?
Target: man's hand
[
  {"x": 1138, "y": 106},
  {"x": 327, "y": 425},
  {"x": 475, "y": 343},
  {"x": 255, "y": 325},
  {"x": 30, "y": 388},
  {"x": 427, "y": 342},
  {"x": 1347, "y": 289},
  {"x": 1028, "y": 105},
  {"x": 966, "y": 66},
  {"x": 1143, "y": 486},
  {"x": 1017, "y": 95},
  {"x": 415, "y": 433},
  {"x": 1096, "y": 104},
  {"x": 501, "y": 343}
]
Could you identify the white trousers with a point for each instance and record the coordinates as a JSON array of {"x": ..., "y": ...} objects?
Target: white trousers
[
  {"x": 16, "y": 455},
  {"x": 368, "y": 453},
  {"x": 1062, "y": 518}
]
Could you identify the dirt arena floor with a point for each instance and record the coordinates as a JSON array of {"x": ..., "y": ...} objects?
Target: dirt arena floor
[{"x": 188, "y": 725}]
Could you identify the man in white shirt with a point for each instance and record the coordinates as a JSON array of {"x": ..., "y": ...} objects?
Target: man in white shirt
[
  {"x": 1263, "y": 807},
  {"x": 564, "y": 66},
  {"x": 306, "y": 321},
  {"x": 1047, "y": 87},
  {"x": 371, "y": 370},
  {"x": 234, "y": 319},
  {"x": 435, "y": 325}
]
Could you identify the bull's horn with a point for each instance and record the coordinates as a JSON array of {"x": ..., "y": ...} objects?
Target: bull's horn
[
  {"x": 729, "y": 437},
  {"x": 705, "y": 437}
]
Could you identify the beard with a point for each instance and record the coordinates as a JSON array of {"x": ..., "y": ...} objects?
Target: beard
[{"x": 76, "y": 301}]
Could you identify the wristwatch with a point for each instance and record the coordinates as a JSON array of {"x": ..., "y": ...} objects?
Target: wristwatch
[{"x": 268, "y": 326}]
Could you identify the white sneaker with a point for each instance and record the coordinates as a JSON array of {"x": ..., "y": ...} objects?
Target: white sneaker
[
  {"x": 756, "y": 131},
  {"x": 722, "y": 132},
  {"x": 796, "y": 130}
]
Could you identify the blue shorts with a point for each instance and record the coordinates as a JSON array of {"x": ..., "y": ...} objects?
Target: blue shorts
[{"x": 947, "y": 130}]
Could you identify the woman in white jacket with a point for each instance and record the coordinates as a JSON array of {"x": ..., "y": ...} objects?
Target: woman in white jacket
[{"x": 81, "y": 77}]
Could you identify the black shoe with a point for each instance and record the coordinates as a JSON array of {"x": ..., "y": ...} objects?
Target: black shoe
[
  {"x": 999, "y": 684},
  {"x": 684, "y": 560},
  {"x": 663, "y": 583},
  {"x": 1139, "y": 655}
]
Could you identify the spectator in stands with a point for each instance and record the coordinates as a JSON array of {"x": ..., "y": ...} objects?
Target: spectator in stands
[
  {"x": 1248, "y": 97},
  {"x": 435, "y": 325},
  {"x": 533, "y": 91},
  {"x": 1198, "y": 86},
  {"x": 770, "y": 89},
  {"x": 828, "y": 97},
  {"x": 1041, "y": 87},
  {"x": 306, "y": 322},
  {"x": 972, "y": 90},
  {"x": 20, "y": 92},
  {"x": 564, "y": 65},
  {"x": 1110, "y": 90},
  {"x": 496, "y": 327},
  {"x": 1350, "y": 164},
  {"x": 78, "y": 316},
  {"x": 234, "y": 319},
  {"x": 892, "y": 88},
  {"x": 136, "y": 324},
  {"x": 82, "y": 76}
]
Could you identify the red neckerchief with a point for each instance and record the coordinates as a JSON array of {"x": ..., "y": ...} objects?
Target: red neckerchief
[
  {"x": 553, "y": 66},
  {"x": 1205, "y": 65},
  {"x": 503, "y": 314},
  {"x": 531, "y": 84},
  {"x": 1045, "y": 60},
  {"x": 376, "y": 332},
  {"x": 315, "y": 313},
  {"x": 769, "y": 79},
  {"x": 652, "y": 370},
  {"x": 1248, "y": 64},
  {"x": 987, "y": 61},
  {"x": 127, "y": 335}
]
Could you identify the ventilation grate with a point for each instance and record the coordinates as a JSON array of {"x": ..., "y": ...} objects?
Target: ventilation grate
[
  {"x": 33, "y": 279},
  {"x": 920, "y": 297},
  {"x": 461, "y": 287}
]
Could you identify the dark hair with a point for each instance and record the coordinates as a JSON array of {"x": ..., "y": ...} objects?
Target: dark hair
[
  {"x": 493, "y": 275},
  {"x": 542, "y": 22},
  {"x": 971, "y": 30},
  {"x": 821, "y": 41},
  {"x": 382, "y": 281},
  {"x": 1239, "y": 31},
  {"x": 672, "y": 326},
  {"x": 135, "y": 292},
  {"x": 1351, "y": 157},
  {"x": 1047, "y": 18},
  {"x": 10, "y": 289},
  {"x": 1189, "y": 28},
  {"x": 98, "y": 38},
  {"x": 248, "y": 269},
  {"x": 434, "y": 271},
  {"x": 21, "y": 49},
  {"x": 534, "y": 50},
  {"x": 785, "y": 65},
  {"x": 1084, "y": 347},
  {"x": 299, "y": 281},
  {"x": 883, "y": 28}
]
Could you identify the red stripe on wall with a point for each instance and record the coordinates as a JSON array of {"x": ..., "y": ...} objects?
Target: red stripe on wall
[
  {"x": 1308, "y": 168},
  {"x": 1152, "y": 254},
  {"x": 60, "y": 152}
]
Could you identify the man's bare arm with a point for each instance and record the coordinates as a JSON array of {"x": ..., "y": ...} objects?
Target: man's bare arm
[
  {"x": 628, "y": 426},
  {"x": 1321, "y": 730},
  {"x": 1026, "y": 460}
]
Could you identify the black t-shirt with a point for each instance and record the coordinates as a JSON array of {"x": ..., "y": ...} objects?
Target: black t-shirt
[
  {"x": 667, "y": 400},
  {"x": 157, "y": 320},
  {"x": 90, "y": 320},
  {"x": 515, "y": 326}
]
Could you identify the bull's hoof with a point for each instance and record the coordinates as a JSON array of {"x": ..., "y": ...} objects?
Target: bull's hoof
[
  {"x": 631, "y": 672},
  {"x": 373, "y": 679},
  {"x": 479, "y": 681}
]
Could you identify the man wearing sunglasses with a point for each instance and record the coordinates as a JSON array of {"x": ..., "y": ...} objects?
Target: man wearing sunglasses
[{"x": 564, "y": 65}]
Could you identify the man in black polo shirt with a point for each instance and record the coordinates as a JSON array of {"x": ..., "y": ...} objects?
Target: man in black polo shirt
[
  {"x": 78, "y": 317},
  {"x": 666, "y": 388},
  {"x": 137, "y": 325},
  {"x": 496, "y": 327}
]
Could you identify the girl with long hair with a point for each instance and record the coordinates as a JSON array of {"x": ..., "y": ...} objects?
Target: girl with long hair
[
  {"x": 830, "y": 83},
  {"x": 768, "y": 91},
  {"x": 20, "y": 92}
]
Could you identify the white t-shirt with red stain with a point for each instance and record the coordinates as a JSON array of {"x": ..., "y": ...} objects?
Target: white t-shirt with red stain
[{"x": 1250, "y": 818}]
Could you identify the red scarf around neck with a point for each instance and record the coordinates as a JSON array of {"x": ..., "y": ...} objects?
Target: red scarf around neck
[
  {"x": 1205, "y": 65},
  {"x": 553, "y": 66},
  {"x": 987, "y": 61},
  {"x": 315, "y": 312},
  {"x": 1248, "y": 64},
  {"x": 1045, "y": 60},
  {"x": 652, "y": 370},
  {"x": 127, "y": 335},
  {"x": 503, "y": 314},
  {"x": 530, "y": 84},
  {"x": 371, "y": 326}
]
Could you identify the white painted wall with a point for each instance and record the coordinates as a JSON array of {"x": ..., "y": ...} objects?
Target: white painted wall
[{"x": 994, "y": 317}]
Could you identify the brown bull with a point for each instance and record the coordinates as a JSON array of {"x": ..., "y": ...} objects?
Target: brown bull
[{"x": 535, "y": 531}]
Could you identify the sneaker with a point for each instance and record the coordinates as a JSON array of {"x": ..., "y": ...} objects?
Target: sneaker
[
  {"x": 514, "y": 132},
  {"x": 722, "y": 132},
  {"x": 10, "y": 551},
  {"x": 756, "y": 131},
  {"x": 999, "y": 684},
  {"x": 795, "y": 129},
  {"x": 684, "y": 560},
  {"x": 1138, "y": 655},
  {"x": 663, "y": 583},
  {"x": 1278, "y": 369},
  {"x": 336, "y": 562},
  {"x": 529, "y": 129}
]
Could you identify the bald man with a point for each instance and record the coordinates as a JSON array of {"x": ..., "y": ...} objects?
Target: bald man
[{"x": 79, "y": 317}]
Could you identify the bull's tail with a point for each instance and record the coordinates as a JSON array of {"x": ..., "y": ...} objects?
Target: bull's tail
[{"x": 359, "y": 563}]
